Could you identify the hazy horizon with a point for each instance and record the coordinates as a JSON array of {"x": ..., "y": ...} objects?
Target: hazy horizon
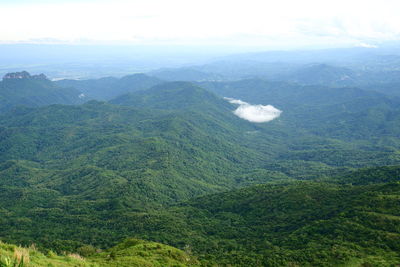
[{"x": 88, "y": 38}]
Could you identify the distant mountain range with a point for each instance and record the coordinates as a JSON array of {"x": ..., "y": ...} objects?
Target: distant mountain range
[
  {"x": 21, "y": 88},
  {"x": 109, "y": 87}
]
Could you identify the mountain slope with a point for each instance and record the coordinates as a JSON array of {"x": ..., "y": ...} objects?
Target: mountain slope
[
  {"x": 322, "y": 74},
  {"x": 342, "y": 113},
  {"x": 175, "y": 96},
  {"x": 109, "y": 87},
  {"x": 287, "y": 95},
  {"x": 109, "y": 162},
  {"x": 300, "y": 223},
  {"x": 21, "y": 88},
  {"x": 184, "y": 74},
  {"x": 145, "y": 147},
  {"x": 131, "y": 252}
]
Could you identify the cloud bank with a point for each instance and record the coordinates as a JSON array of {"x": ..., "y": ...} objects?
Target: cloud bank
[{"x": 254, "y": 113}]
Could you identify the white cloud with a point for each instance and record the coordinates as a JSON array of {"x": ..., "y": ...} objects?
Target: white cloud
[
  {"x": 236, "y": 101},
  {"x": 254, "y": 113},
  {"x": 365, "y": 45}
]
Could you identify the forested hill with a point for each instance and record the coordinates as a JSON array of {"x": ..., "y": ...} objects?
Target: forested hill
[
  {"x": 23, "y": 89},
  {"x": 306, "y": 223},
  {"x": 342, "y": 113},
  {"x": 174, "y": 96},
  {"x": 110, "y": 87},
  {"x": 296, "y": 224}
]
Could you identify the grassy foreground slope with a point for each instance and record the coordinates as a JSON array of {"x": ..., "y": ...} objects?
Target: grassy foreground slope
[{"x": 131, "y": 252}]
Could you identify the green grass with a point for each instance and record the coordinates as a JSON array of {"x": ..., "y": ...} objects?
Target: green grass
[{"x": 131, "y": 252}]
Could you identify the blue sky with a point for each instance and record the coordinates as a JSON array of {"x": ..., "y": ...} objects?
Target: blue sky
[{"x": 274, "y": 24}]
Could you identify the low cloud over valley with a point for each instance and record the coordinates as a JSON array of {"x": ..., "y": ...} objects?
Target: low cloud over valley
[{"x": 254, "y": 113}]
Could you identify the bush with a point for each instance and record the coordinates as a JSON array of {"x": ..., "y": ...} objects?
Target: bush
[{"x": 86, "y": 250}]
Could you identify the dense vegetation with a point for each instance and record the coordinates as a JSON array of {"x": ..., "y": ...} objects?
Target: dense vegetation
[
  {"x": 295, "y": 224},
  {"x": 318, "y": 186},
  {"x": 34, "y": 91}
]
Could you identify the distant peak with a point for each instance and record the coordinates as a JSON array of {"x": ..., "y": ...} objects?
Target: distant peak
[
  {"x": 17, "y": 75},
  {"x": 40, "y": 76},
  {"x": 24, "y": 75}
]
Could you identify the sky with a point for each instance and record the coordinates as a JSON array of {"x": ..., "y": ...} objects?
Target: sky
[{"x": 258, "y": 23}]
